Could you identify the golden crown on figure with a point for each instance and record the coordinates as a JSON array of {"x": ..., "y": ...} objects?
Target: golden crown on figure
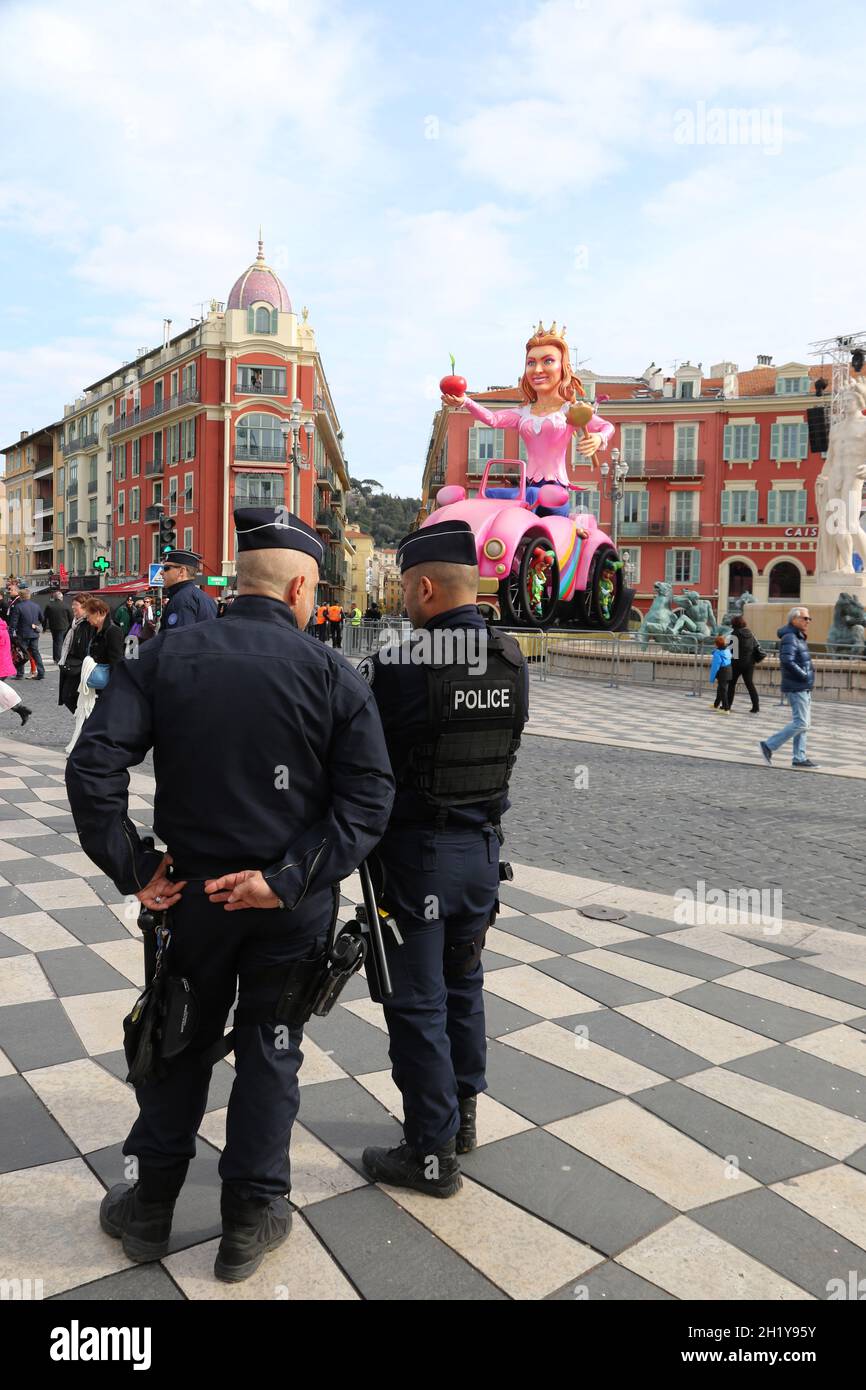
[{"x": 552, "y": 332}]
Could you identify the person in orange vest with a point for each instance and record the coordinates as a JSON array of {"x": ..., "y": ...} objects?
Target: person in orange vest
[
  {"x": 322, "y": 622},
  {"x": 335, "y": 620}
]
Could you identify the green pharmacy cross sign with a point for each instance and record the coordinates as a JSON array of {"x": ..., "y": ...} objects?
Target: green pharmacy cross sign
[{"x": 101, "y": 564}]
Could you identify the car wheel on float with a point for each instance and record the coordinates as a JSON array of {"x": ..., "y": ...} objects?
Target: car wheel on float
[
  {"x": 516, "y": 592},
  {"x": 592, "y": 595}
]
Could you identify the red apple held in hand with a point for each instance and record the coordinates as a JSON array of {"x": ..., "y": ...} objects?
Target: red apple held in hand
[{"x": 453, "y": 385}]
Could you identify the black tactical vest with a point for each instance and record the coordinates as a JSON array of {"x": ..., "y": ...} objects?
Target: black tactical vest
[{"x": 473, "y": 732}]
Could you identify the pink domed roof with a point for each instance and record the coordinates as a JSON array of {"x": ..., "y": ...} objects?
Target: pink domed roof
[{"x": 259, "y": 284}]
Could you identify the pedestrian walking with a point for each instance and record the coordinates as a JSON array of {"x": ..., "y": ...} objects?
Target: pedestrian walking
[
  {"x": 798, "y": 678},
  {"x": 245, "y": 839},
  {"x": 185, "y": 603},
  {"x": 124, "y": 616},
  {"x": 322, "y": 622},
  {"x": 720, "y": 672},
  {"x": 25, "y": 627},
  {"x": 453, "y": 728},
  {"x": 336, "y": 618},
  {"x": 9, "y": 698},
  {"x": 58, "y": 622},
  {"x": 76, "y": 645},
  {"x": 103, "y": 654},
  {"x": 747, "y": 653}
]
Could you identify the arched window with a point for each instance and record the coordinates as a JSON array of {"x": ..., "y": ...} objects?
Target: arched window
[
  {"x": 260, "y": 437},
  {"x": 784, "y": 580},
  {"x": 261, "y": 320},
  {"x": 740, "y": 579}
]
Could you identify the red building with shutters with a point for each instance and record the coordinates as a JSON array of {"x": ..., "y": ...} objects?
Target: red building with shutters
[
  {"x": 719, "y": 494},
  {"x": 198, "y": 427}
]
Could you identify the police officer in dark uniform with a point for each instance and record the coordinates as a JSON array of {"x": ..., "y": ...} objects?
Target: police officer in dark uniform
[
  {"x": 453, "y": 702},
  {"x": 260, "y": 822},
  {"x": 185, "y": 603}
]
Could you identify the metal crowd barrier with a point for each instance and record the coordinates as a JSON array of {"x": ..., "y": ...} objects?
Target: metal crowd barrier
[{"x": 368, "y": 637}]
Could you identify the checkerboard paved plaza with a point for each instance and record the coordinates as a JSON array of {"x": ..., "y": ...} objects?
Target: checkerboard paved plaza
[{"x": 673, "y": 1111}]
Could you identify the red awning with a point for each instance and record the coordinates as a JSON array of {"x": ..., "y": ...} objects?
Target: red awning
[{"x": 135, "y": 586}]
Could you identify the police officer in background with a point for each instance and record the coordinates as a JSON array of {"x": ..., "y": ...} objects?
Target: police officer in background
[
  {"x": 290, "y": 808},
  {"x": 185, "y": 603},
  {"x": 453, "y": 710}
]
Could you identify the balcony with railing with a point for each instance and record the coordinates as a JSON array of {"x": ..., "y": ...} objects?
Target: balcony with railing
[
  {"x": 92, "y": 486},
  {"x": 260, "y": 453},
  {"x": 664, "y": 528},
  {"x": 154, "y": 468},
  {"x": 91, "y": 527},
  {"x": 72, "y": 489},
  {"x": 74, "y": 527},
  {"x": 665, "y": 468},
  {"x": 43, "y": 537},
  {"x": 79, "y": 442},
  {"x": 326, "y": 479},
  {"x": 154, "y": 513},
  {"x": 151, "y": 412}
]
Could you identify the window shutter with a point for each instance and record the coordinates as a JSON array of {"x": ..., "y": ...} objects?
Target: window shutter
[
  {"x": 801, "y": 506},
  {"x": 192, "y": 438},
  {"x": 696, "y": 567},
  {"x": 753, "y": 506},
  {"x": 804, "y": 441},
  {"x": 251, "y": 321},
  {"x": 498, "y": 443},
  {"x": 780, "y": 386},
  {"x": 669, "y": 566},
  {"x": 644, "y": 507},
  {"x": 729, "y": 442},
  {"x": 521, "y": 450},
  {"x": 756, "y": 441},
  {"x": 726, "y": 508},
  {"x": 772, "y": 507},
  {"x": 273, "y": 320},
  {"x": 774, "y": 442},
  {"x": 473, "y": 445}
]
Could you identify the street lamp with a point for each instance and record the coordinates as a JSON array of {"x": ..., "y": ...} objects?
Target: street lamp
[
  {"x": 615, "y": 491},
  {"x": 291, "y": 429}
]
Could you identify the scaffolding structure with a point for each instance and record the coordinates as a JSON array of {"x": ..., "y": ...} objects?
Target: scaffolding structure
[{"x": 836, "y": 353}]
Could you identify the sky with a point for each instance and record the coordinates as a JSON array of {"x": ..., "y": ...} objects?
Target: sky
[{"x": 673, "y": 179}]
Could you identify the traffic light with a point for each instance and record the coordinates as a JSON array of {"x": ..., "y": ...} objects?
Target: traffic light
[{"x": 167, "y": 534}]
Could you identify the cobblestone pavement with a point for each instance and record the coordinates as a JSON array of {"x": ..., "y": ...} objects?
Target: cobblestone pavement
[{"x": 674, "y": 1111}]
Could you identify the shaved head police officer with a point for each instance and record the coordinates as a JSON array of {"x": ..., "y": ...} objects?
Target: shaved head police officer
[
  {"x": 453, "y": 702},
  {"x": 185, "y": 603},
  {"x": 262, "y": 816}
]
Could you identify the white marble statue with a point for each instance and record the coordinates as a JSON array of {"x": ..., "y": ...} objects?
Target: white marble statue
[{"x": 839, "y": 487}]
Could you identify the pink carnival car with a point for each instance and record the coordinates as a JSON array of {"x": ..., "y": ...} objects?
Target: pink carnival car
[{"x": 539, "y": 565}]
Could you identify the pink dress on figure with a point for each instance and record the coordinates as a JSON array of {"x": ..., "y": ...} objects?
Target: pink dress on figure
[
  {"x": 9, "y": 698},
  {"x": 547, "y": 438}
]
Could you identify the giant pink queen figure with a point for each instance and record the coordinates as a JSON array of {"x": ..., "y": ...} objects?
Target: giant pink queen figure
[{"x": 555, "y": 411}]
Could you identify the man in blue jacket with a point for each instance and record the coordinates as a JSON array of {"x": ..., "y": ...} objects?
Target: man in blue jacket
[{"x": 798, "y": 677}]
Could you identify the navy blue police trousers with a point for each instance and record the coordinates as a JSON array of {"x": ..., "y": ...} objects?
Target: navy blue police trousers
[
  {"x": 213, "y": 948},
  {"x": 441, "y": 887}
]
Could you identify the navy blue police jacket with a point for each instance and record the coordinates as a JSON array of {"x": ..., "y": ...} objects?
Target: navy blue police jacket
[
  {"x": 185, "y": 605},
  {"x": 402, "y": 696},
  {"x": 268, "y": 753}
]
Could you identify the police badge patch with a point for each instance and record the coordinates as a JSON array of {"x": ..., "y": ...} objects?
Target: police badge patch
[{"x": 367, "y": 669}]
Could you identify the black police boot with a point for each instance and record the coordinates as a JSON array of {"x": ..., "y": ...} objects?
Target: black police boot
[
  {"x": 437, "y": 1174},
  {"x": 466, "y": 1135},
  {"x": 143, "y": 1227},
  {"x": 250, "y": 1229}
]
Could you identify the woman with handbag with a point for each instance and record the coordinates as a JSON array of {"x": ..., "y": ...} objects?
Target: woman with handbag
[
  {"x": 75, "y": 648},
  {"x": 9, "y": 698},
  {"x": 747, "y": 653},
  {"x": 105, "y": 650}
]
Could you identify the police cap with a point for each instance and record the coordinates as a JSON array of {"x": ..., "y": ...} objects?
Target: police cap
[
  {"x": 182, "y": 557},
  {"x": 275, "y": 528},
  {"x": 445, "y": 542}
]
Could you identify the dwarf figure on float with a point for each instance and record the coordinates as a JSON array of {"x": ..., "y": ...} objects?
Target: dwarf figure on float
[{"x": 556, "y": 410}]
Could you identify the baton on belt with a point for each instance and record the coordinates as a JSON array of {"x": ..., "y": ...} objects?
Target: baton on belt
[{"x": 368, "y": 916}]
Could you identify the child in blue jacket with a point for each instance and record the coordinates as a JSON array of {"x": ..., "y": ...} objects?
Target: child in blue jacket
[{"x": 720, "y": 672}]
